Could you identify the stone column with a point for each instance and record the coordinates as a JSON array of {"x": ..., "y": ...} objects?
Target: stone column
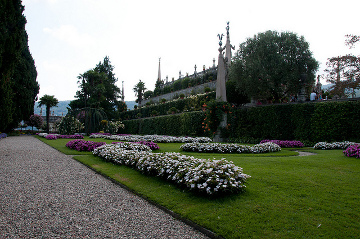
[{"x": 221, "y": 77}]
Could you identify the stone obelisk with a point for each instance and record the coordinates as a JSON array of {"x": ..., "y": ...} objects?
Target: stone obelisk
[{"x": 221, "y": 74}]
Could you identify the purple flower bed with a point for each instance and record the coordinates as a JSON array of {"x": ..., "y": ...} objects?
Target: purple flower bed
[
  {"x": 152, "y": 145},
  {"x": 51, "y": 136},
  {"x": 352, "y": 151},
  {"x": 285, "y": 143},
  {"x": 75, "y": 136},
  {"x": 82, "y": 145},
  {"x": 3, "y": 135},
  {"x": 56, "y": 136}
]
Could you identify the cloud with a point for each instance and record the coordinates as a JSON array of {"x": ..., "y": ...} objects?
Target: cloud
[{"x": 71, "y": 35}]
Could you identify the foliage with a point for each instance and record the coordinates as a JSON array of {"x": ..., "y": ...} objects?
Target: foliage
[
  {"x": 121, "y": 106},
  {"x": 139, "y": 90},
  {"x": 36, "y": 120},
  {"x": 3, "y": 135},
  {"x": 211, "y": 177},
  {"x": 352, "y": 151},
  {"x": 150, "y": 144},
  {"x": 230, "y": 148},
  {"x": 273, "y": 65},
  {"x": 70, "y": 125},
  {"x": 333, "y": 145},
  {"x": 82, "y": 145},
  {"x": 215, "y": 111},
  {"x": 310, "y": 123},
  {"x": 191, "y": 103},
  {"x": 285, "y": 143},
  {"x": 148, "y": 94},
  {"x": 344, "y": 73},
  {"x": 234, "y": 95},
  {"x": 152, "y": 138},
  {"x": 98, "y": 90},
  {"x": 351, "y": 40},
  {"x": 58, "y": 136},
  {"x": 18, "y": 85},
  {"x": 49, "y": 101},
  {"x": 177, "y": 124},
  {"x": 183, "y": 83},
  {"x": 90, "y": 118}
]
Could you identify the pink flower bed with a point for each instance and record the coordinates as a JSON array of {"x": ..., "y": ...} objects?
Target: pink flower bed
[
  {"x": 352, "y": 151},
  {"x": 285, "y": 143}
]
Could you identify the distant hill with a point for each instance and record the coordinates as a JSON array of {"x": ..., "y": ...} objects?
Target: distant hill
[
  {"x": 58, "y": 111},
  {"x": 62, "y": 108}
]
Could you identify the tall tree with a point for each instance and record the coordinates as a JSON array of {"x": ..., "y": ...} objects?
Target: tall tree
[
  {"x": 139, "y": 90},
  {"x": 98, "y": 89},
  {"x": 343, "y": 72},
  {"x": 273, "y": 65},
  {"x": 49, "y": 101},
  {"x": 17, "y": 68}
]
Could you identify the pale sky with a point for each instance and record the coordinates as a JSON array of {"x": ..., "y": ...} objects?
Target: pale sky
[{"x": 69, "y": 37}]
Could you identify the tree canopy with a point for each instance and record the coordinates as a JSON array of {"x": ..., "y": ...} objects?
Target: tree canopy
[
  {"x": 98, "y": 89},
  {"x": 343, "y": 72},
  {"x": 18, "y": 85},
  {"x": 139, "y": 90},
  {"x": 273, "y": 65}
]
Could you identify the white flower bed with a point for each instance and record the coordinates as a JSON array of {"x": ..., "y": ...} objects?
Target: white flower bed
[
  {"x": 153, "y": 138},
  {"x": 229, "y": 148},
  {"x": 201, "y": 175},
  {"x": 334, "y": 145}
]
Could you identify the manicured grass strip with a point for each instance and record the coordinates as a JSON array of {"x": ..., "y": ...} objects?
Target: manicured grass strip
[{"x": 313, "y": 196}]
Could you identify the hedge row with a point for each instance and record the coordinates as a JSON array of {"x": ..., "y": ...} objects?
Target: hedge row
[
  {"x": 192, "y": 103},
  {"x": 177, "y": 125},
  {"x": 308, "y": 122}
]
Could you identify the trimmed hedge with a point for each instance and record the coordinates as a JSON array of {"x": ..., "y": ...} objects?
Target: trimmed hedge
[
  {"x": 308, "y": 122},
  {"x": 180, "y": 124}
]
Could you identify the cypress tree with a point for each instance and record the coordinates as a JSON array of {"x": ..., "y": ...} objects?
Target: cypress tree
[{"x": 17, "y": 68}]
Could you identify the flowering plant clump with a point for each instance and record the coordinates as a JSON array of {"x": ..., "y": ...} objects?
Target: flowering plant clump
[
  {"x": 151, "y": 145},
  {"x": 99, "y": 135},
  {"x": 132, "y": 146},
  {"x": 82, "y": 145},
  {"x": 352, "y": 151},
  {"x": 334, "y": 145},
  {"x": 285, "y": 143},
  {"x": 153, "y": 138},
  {"x": 70, "y": 125},
  {"x": 210, "y": 177},
  {"x": 58, "y": 136},
  {"x": 36, "y": 120},
  {"x": 51, "y": 136},
  {"x": 3, "y": 135},
  {"x": 229, "y": 148}
]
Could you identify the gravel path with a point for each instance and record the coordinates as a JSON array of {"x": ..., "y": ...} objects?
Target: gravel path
[{"x": 46, "y": 194}]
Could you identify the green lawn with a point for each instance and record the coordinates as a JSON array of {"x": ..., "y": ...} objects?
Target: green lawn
[{"x": 287, "y": 196}]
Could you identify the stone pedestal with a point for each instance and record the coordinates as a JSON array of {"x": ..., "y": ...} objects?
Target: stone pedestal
[{"x": 223, "y": 123}]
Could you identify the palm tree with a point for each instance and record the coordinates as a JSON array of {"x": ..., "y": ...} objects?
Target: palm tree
[
  {"x": 49, "y": 101},
  {"x": 139, "y": 89}
]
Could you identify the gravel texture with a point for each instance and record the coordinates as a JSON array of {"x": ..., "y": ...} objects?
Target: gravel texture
[{"x": 46, "y": 194}]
